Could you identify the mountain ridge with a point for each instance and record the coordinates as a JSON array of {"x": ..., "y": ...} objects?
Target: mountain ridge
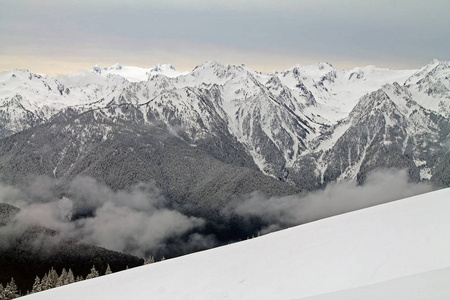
[{"x": 281, "y": 119}]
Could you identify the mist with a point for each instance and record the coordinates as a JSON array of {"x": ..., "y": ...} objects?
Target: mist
[
  {"x": 275, "y": 213},
  {"x": 135, "y": 221},
  {"x": 139, "y": 221}
]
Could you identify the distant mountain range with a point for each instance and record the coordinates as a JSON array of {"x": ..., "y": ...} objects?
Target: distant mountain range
[
  {"x": 306, "y": 126},
  {"x": 210, "y": 137}
]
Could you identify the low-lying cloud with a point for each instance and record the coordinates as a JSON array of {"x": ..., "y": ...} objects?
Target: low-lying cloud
[
  {"x": 380, "y": 187},
  {"x": 139, "y": 221},
  {"x": 134, "y": 221}
]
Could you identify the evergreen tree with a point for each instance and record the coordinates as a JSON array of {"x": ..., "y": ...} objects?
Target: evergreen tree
[
  {"x": 44, "y": 282},
  {"x": 37, "y": 287},
  {"x": 52, "y": 278},
  {"x": 2, "y": 292},
  {"x": 108, "y": 270},
  {"x": 11, "y": 290},
  {"x": 149, "y": 260},
  {"x": 79, "y": 278},
  {"x": 5, "y": 293},
  {"x": 62, "y": 278},
  {"x": 93, "y": 274},
  {"x": 70, "y": 278}
]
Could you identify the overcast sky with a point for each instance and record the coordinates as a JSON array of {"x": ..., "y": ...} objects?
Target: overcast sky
[{"x": 51, "y": 37}]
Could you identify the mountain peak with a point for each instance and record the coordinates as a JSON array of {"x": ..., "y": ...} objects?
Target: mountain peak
[
  {"x": 116, "y": 66},
  {"x": 162, "y": 68},
  {"x": 436, "y": 64},
  {"x": 324, "y": 65},
  {"x": 211, "y": 64},
  {"x": 435, "y": 67},
  {"x": 435, "y": 61},
  {"x": 96, "y": 69},
  {"x": 167, "y": 70}
]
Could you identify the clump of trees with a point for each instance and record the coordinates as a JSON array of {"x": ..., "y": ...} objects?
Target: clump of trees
[
  {"x": 10, "y": 291},
  {"x": 50, "y": 280},
  {"x": 149, "y": 260}
]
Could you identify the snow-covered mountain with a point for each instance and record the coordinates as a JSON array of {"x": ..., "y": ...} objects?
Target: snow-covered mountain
[
  {"x": 430, "y": 87},
  {"x": 213, "y": 137},
  {"x": 397, "y": 250},
  {"x": 307, "y": 125},
  {"x": 336, "y": 92},
  {"x": 387, "y": 128},
  {"x": 137, "y": 74}
]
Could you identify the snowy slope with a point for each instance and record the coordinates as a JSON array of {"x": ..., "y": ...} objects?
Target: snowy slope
[
  {"x": 389, "y": 118},
  {"x": 398, "y": 250},
  {"x": 137, "y": 74},
  {"x": 336, "y": 91},
  {"x": 285, "y": 121},
  {"x": 427, "y": 285},
  {"x": 430, "y": 86}
]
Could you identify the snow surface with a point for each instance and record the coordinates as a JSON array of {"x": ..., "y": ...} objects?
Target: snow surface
[
  {"x": 337, "y": 91},
  {"x": 137, "y": 74},
  {"x": 398, "y": 250},
  {"x": 430, "y": 87},
  {"x": 317, "y": 94}
]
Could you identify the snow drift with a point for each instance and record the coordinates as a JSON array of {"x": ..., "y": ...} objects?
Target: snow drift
[{"x": 398, "y": 250}]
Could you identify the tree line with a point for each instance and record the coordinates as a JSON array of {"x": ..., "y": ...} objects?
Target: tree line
[{"x": 52, "y": 279}]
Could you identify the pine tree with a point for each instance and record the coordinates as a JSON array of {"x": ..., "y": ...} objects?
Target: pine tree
[
  {"x": 11, "y": 290},
  {"x": 149, "y": 260},
  {"x": 108, "y": 270},
  {"x": 79, "y": 278},
  {"x": 44, "y": 282},
  {"x": 5, "y": 292},
  {"x": 93, "y": 274},
  {"x": 37, "y": 287},
  {"x": 52, "y": 278},
  {"x": 1, "y": 292},
  {"x": 70, "y": 278},
  {"x": 62, "y": 278}
]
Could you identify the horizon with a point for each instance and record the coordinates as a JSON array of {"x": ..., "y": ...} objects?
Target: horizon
[
  {"x": 53, "y": 37},
  {"x": 108, "y": 66}
]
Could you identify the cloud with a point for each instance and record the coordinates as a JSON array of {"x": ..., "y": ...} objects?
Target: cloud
[
  {"x": 135, "y": 221},
  {"x": 139, "y": 221},
  {"x": 380, "y": 187},
  {"x": 131, "y": 231}
]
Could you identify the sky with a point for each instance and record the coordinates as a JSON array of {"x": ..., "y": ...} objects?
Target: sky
[{"x": 55, "y": 37}]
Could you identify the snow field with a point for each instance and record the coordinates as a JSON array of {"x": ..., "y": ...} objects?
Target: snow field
[{"x": 398, "y": 250}]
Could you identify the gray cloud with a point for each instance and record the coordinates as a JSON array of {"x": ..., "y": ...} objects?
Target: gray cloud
[
  {"x": 137, "y": 221},
  {"x": 380, "y": 187},
  {"x": 134, "y": 221}
]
